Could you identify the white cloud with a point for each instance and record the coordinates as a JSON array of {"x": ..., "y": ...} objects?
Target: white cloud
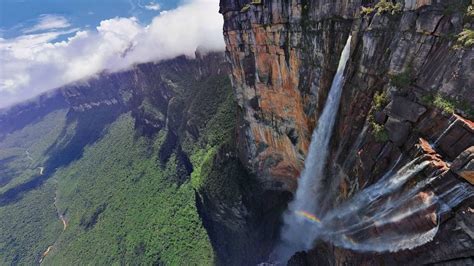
[
  {"x": 49, "y": 22},
  {"x": 153, "y": 6},
  {"x": 33, "y": 64}
]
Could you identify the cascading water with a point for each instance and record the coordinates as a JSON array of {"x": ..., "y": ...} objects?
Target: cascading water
[
  {"x": 296, "y": 233},
  {"x": 373, "y": 218}
]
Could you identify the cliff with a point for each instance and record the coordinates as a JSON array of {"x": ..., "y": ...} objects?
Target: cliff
[{"x": 409, "y": 77}]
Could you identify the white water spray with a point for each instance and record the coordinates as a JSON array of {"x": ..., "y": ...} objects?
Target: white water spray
[
  {"x": 396, "y": 219},
  {"x": 297, "y": 234},
  {"x": 390, "y": 215}
]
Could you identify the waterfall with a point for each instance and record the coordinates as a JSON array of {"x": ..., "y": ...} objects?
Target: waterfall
[
  {"x": 388, "y": 216},
  {"x": 368, "y": 223},
  {"x": 296, "y": 233},
  {"x": 373, "y": 218}
]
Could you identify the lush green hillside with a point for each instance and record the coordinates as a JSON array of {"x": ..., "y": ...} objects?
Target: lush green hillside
[
  {"x": 117, "y": 184},
  {"x": 28, "y": 222},
  {"x": 122, "y": 207},
  {"x": 22, "y": 153}
]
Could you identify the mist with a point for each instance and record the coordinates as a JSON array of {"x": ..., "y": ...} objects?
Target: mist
[{"x": 33, "y": 64}]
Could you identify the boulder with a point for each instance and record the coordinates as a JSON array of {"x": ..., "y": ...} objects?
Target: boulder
[
  {"x": 405, "y": 110},
  {"x": 398, "y": 130},
  {"x": 457, "y": 137}
]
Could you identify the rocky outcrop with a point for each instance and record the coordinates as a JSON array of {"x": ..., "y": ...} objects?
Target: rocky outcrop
[
  {"x": 456, "y": 137},
  {"x": 404, "y": 78},
  {"x": 405, "y": 110},
  {"x": 464, "y": 165}
]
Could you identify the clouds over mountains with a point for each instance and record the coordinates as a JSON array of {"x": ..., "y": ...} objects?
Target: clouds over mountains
[{"x": 34, "y": 63}]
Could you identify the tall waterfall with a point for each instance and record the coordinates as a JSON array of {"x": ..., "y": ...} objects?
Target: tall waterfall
[
  {"x": 373, "y": 218},
  {"x": 296, "y": 233},
  {"x": 390, "y": 215}
]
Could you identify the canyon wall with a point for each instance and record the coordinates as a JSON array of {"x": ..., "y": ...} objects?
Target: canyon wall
[{"x": 409, "y": 83}]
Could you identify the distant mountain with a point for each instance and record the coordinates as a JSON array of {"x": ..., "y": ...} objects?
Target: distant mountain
[{"x": 105, "y": 171}]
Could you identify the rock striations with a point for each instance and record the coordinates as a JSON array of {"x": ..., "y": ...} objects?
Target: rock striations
[{"x": 408, "y": 92}]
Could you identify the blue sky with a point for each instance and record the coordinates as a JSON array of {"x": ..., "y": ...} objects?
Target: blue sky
[
  {"x": 17, "y": 15},
  {"x": 46, "y": 44}
]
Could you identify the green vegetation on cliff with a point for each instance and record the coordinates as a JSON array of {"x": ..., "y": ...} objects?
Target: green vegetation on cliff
[
  {"x": 120, "y": 207},
  {"x": 403, "y": 79},
  {"x": 380, "y": 100},
  {"x": 382, "y": 7},
  {"x": 126, "y": 190},
  {"x": 448, "y": 105},
  {"x": 466, "y": 38},
  {"x": 125, "y": 208},
  {"x": 218, "y": 132},
  {"x": 379, "y": 131}
]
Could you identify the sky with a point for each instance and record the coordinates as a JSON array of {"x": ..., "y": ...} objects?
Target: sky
[{"x": 45, "y": 44}]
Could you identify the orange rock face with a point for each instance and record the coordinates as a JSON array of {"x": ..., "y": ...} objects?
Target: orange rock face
[
  {"x": 284, "y": 55},
  {"x": 279, "y": 91},
  {"x": 278, "y": 110}
]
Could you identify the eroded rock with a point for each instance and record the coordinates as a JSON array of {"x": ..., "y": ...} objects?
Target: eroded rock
[
  {"x": 464, "y": 165},
  {"x": 405, "y": 110},
  {"x": 457, "y": 137}
]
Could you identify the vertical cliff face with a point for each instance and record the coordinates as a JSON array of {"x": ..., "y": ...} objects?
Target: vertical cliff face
[
  {"x": 408, "y": 73},
  {"x": 282, "y": 70},
  {"x": 284, "y": 55}
]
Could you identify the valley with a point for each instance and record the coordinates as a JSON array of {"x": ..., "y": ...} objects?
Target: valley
[{"x": 327, "y": 133}]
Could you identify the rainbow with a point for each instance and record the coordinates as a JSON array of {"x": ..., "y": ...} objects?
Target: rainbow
[
  {"x": 308, "y": 216},
  {"x": 350, "y": 239}
]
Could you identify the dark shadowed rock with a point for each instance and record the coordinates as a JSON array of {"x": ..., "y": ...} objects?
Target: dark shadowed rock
[
  {"x": 380, "y": 117},
  {"x": 464, "y": 165},
  {"x": 428, "y": 22},
  {"x": 405, "y": 110},
  {"x": 457, "y": 137},
  {"x": 397, "y": 130}
]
